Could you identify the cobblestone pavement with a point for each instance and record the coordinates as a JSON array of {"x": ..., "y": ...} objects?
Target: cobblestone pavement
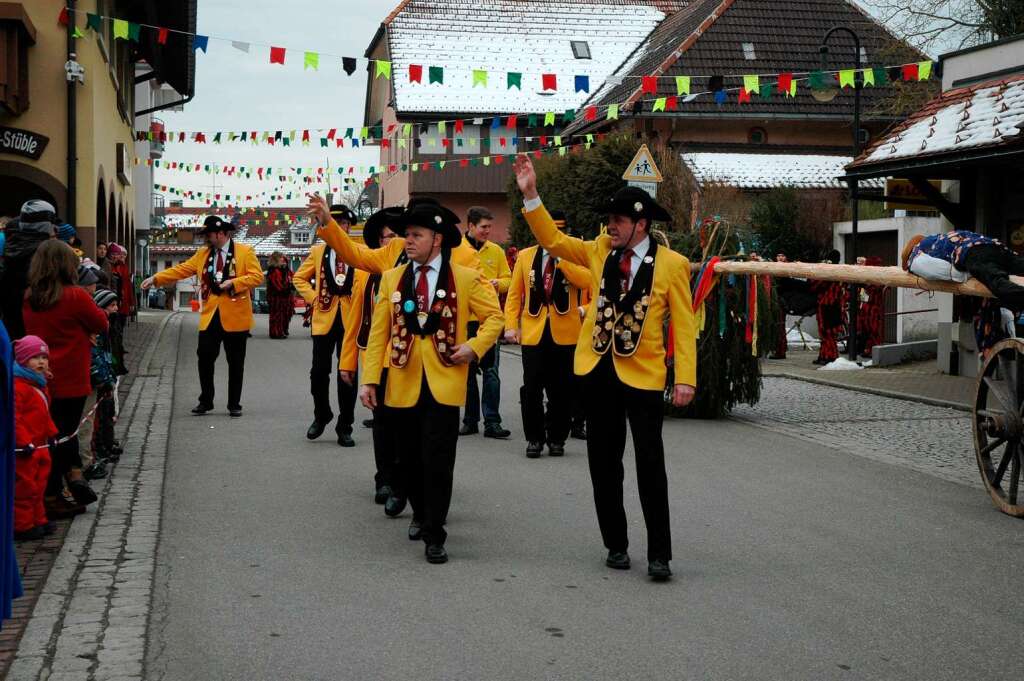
[
  {"x": 925, "y": 438},
  {"x": 89, "y": 622}
]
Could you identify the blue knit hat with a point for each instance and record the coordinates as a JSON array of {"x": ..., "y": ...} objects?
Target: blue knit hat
[{"x": 66, "y": 232}]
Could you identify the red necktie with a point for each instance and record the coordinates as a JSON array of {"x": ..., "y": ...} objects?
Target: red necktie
[
  {"x": 220, "y": 260},
  {"x": 549, "y": 278},
  {"x": 626, "y": 268},
  {"x": 422, "y": 288},
  {"x": 339, "y": 266}
]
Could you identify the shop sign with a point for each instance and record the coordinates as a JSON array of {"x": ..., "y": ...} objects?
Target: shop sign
[{"x": 22, "y": 142}]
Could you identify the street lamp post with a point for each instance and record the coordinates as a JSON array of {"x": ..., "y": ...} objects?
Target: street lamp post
[{"x": 825, "y": 96}]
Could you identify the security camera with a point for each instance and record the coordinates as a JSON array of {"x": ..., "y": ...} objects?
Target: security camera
[{"x": 74, "y": 70}]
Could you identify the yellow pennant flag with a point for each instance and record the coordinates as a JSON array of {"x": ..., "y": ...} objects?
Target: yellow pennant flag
[
  {"x": 752, "y": 84},
  {"x": 924, "y": 70},
  {"x": 868, "y": 75},
  {"x": 383, "y": 69},
  {"x": 792, "y": 88},
  {"x": 682, "y": 85},
  {"x": 120, "y": 29},
  {"x": 846, "y": 78},
  {"x": 311, "y": 61},
  {"x": 549, "y": 118},
  {"x": 613, "y": 112},
  {"x": 479, "y": 77},
  {"x": 659, "y": 104}
]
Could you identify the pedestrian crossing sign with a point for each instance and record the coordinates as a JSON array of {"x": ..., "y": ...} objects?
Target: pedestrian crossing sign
[{"x": 643, "y": 168}]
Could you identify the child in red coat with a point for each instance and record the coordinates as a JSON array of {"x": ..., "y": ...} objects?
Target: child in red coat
[{"x": 33, "y": 430}]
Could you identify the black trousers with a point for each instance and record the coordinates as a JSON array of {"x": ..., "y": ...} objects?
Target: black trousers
[
  {"x": 992, "y": 266},
  {"x": 610, "y": 403},
  {"x": 427, "y": 436},
  {"x": 208, "y": 351},
  {"x": 66, "y": 414},
  {"x": 326, "y": 353},
  {"x": 547, "y": 369},
  {"x": 385, "y": 449}
]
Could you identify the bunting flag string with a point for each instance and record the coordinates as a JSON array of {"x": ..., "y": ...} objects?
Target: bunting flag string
[{"x": 549, "y": 82}]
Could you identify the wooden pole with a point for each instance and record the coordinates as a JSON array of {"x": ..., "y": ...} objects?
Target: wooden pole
[{"x": 854, "y": 274}]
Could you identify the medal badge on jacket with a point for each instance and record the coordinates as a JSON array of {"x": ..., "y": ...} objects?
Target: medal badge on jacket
[
  {"x": 440, "y": 323},
  {"x": 621, "y": 316}
]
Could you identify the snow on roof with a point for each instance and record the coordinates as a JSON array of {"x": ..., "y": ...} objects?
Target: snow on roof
[
  {"x": 529, "y": 36},
  {"x": 982, "y": 115},
  {"x": 769, "y": 171}
]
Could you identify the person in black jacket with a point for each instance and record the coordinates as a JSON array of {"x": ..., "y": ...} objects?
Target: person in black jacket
[{"x": 36, "y": 223}]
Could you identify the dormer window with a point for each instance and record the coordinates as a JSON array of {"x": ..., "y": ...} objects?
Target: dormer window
[
  {"x": 863, "y": 55},
  {"x": 301, "y": 237},
  {"x": 580, "y": 49},
  {"x": 748, "y": 51}
]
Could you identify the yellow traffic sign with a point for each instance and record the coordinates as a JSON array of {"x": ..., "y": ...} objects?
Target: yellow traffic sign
[{"x": 643, "y": 168}]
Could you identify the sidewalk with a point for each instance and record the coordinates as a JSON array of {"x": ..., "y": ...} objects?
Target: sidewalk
[
  {"x": 37, "y": 558},
  {"x": 917, "y": 381}
]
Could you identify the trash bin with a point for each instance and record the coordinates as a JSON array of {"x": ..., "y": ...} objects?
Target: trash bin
[{"x": 194, "y": 304}]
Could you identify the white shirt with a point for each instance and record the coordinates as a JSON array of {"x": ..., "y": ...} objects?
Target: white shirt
[
  {"x": 432, "y": 274},
  {"x": 332, "y": 263}
]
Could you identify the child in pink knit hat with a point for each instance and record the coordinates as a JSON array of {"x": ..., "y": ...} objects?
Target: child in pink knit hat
[{"x": 33, "y": 430}]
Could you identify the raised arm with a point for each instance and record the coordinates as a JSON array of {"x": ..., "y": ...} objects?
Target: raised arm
[
  {"x": 540, "y": 222},
  {"x": 579, "y": 277}
]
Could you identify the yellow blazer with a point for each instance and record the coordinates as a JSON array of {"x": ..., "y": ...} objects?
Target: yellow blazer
[
  {"x": 307, "y": 283},
  {"x": 379, "y": 260},
  {"x": 235, "y": 308},
  {"x": 565, "y": 328},
  {"x": 447, "y": 383},
  {"x": 350, "y": 352},
  {"x": 670, "y": 300}
]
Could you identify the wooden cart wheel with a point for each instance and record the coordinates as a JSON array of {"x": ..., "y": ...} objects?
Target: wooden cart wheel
[{"x": 999, "y": 425}]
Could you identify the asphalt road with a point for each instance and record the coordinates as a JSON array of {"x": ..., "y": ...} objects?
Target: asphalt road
[{"x": 793, "y": 561}]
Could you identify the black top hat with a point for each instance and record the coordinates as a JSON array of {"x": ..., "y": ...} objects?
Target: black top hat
[
  {"x": 387, "y": 217},
  {"x": 340, "y": 212},
  {"x": 427, "y": 212},
  {"x": 216, "y": 224},
  {"x": 635, "y": 203}
]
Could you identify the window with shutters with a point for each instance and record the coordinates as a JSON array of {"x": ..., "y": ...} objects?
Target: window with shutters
[{"x": 17, "y": 35}]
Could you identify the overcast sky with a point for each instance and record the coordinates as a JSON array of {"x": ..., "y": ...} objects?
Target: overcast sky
[{"x": 239, "y": 91}]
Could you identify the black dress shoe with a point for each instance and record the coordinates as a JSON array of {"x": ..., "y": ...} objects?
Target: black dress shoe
[
  {"x": 235, "y": 412},
  {"x": 367, "y": 423},
  {"x": 467, "y": 429},
  {"x": 82, "y": 493},
  {"x": 496, "y": 432},
  {"x": 345, "y": 440},
  {"x": 617, "y": 560},
  {"x": 658, "y": 570},
  {"x": 415, "y": 530},
  {"x": 436, "y": 554},
  {"x": 394, "y": 506},
  {"x": 533, "y": 450},
  {"x": 578, "y": 432},
  {"x": 556, "y": 449},
  {"x": 201, "y": 409},
  {"x": 382, "y": 495},
  {"x": 315, "y": 430}
]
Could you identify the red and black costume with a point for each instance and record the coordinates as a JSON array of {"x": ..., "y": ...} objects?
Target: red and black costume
[
  {"x": 279, "y": 296},
  {"x": 871, "y": 314}
]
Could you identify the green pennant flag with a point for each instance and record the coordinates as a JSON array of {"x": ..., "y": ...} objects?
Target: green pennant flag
[
  {"x": 348, "y": 133},
  {"x": 752, "y": 83},
  {"x": 383, "y": 69},
  {"x": 531, "y": 121},
  {"x": 93, "y": 21},
  {"x": 569, "y": 116},
  {"x": 816, "y": 80},
  {"x": 286, "y": 142},
  {"x": 474, "y": 162},
  {"x": 133, "y": 32},
  {"x": 120, "y": 29},
  {"x": 659, "y": 104},
  {"x": 479, "y": 77},
  {"x": 549, "y": 118},
  {"x": 879, "y": 75},
  {"x": 513, "y": 79},
  {"x": 868, "y": 76},
  {"x": 682, "y": 85},
  {"x": 436, "y": 75},
  {"x": 216, "y": 139},
  {"x": 924, "y": 70},
  {"x": 441, "y": 165},
  {"x": 766, "y": 90},
  {"x": 323, "y": 141},
  {"x": 613, "y": 112},
  {"x": 846, "y": 78},
  {"x": 311, "y": 60}
]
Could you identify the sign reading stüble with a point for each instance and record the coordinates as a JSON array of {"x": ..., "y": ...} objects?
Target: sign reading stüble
[{"x": 22, "y": 142}]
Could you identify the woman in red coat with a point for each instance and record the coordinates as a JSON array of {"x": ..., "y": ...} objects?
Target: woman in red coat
[{"x": 65, "y": 317}]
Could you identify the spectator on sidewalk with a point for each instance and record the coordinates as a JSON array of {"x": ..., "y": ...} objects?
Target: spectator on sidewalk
[
  {"x": 65, "y": 317},
  {"x": 121, "y": 284},
  {"x": 100, "y": 444},
  {"x": 35, "y": 225},
  {"x": 33, "y": 431}
]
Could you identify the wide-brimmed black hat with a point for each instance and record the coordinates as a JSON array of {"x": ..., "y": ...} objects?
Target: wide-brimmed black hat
[
  {"x": 340, "y": 212},
  {"x": 427, "y": 212},
  {"x": 216, "y": 224},
  {"x": 635, "y": 203},
  {"x": 387, "y": 217}
]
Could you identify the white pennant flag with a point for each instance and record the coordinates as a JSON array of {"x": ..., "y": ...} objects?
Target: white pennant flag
[{"x": 238, "y": 45}]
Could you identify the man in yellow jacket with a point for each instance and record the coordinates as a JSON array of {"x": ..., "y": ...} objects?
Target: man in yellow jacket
[
  {"x": 621, "y": 354},
  {"x": 542, "y": 314},
  {"x": 227, "y": 272},
  {"x": 325, "y": 281},
  {"x": 419, "y": 332},
  {"x": 494, "y": 269}
]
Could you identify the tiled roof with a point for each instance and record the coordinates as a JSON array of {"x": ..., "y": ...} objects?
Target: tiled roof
[
  {"x": 706, "y": 39},
  {"x": 528, "y": 36},
  {"x": 985, "y": 115},
  {"x": 769, "y": 171}
]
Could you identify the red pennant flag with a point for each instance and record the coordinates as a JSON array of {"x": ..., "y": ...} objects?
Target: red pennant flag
[
  {"x": 391, "y": 128},
  {"x": 785, "y": 83},
  {"x": 744, "y": 95},
  {"x": 463, "y": 162},
  {"x": 590, "y": 114},
  {"x": 512, "y": 121},
  {"x": 910, "y": 72},
  {"x": 549, "y": 81},
  {"x": 415, "y": 73},
  {"x": 601, "y": 136},
  {"x": 161, "y": 36},
  {"x": 445, "y": 142},
  {"x": 181, "y": 137},
  {"x": 458, "y": 125},
  {"x": 200, "y": 138},
  {"x": 276, "y": 55},
  {"x": 499, "y": 159},
  {"x": 385, "y": 143},
  {"x": 339, "y": 142},
  {"x": 543, "y": 140},
  {"x": 331, "y": 133},
  {"x": 672, "y": 103},
  {"x": 650, "y": 85},
  {"x": 305, "y": 135},
  {"x": 63, "y": 18},
  {"x": 392, "y": 168}
]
